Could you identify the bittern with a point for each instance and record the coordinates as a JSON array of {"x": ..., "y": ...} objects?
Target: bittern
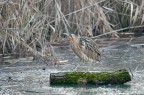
[{"x": 85, "y": 48}]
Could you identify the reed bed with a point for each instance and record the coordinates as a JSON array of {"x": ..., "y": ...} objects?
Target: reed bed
[{"x": 29, "y": 27}]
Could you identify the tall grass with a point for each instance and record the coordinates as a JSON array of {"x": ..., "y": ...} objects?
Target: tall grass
[{"x": 27, "y": 25}]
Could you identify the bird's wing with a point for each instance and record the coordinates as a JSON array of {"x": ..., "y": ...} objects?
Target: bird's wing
[{"x": 90, "y": 48}]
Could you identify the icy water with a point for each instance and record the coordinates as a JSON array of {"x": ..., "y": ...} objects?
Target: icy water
[{"x": 32, "y": 78}]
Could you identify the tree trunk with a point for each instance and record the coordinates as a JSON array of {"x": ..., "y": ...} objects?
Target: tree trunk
[{"x": 116, "y": 77}]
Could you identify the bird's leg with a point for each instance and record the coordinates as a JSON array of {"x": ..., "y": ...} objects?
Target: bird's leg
[
  {"x": 77, "y": 65},
  {"x": 75, "y": 68},
  {"x": 89, "y": 66}
]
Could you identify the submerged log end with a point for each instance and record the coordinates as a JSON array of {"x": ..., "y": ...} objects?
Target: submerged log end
[{"x": 116, "y": 77}]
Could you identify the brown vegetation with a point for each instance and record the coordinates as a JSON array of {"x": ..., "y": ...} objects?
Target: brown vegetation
[{"x": 27, "y": 25}]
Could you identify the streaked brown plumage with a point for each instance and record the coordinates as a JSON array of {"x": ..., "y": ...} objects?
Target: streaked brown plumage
[{"x": 85, "y": 48}]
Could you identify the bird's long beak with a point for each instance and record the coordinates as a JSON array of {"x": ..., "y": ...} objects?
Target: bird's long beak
[{"x": 67, "y": 34}]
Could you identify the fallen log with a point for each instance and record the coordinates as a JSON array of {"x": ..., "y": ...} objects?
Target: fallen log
[{"x": 116, "y": 77}]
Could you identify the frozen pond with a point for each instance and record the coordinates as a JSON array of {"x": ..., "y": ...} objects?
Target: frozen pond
[{"x": 32, "y": 78}]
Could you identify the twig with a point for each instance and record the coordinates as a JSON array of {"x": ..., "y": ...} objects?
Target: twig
[{"x": 117, "y": 31}]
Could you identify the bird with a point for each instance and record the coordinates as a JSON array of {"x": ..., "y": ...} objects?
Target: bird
[{"x": 84, "y": 47}]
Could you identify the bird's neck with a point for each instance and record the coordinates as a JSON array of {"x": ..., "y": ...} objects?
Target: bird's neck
[{"x": 75, "y": 40}]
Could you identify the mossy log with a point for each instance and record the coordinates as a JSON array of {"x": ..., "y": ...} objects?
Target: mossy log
[{"x": 116, "y": 77}]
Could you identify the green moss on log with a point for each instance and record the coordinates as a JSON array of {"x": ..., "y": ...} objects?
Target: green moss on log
[{"x": 117, "y": 77}]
